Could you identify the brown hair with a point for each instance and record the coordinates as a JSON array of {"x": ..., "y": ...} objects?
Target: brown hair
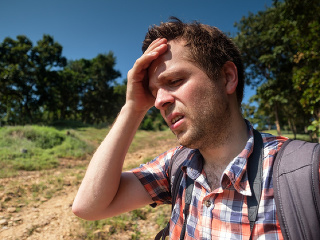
[{"x": 209, "y": 47}]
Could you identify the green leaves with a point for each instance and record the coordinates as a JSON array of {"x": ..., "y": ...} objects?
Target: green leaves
[
  {"x": 98, "y": 101},
  {"x": 38, "y": 86},
  {"x": 281, "y": 49}
]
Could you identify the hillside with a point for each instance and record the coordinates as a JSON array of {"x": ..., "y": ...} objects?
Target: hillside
[{"x": 37, "y": 204}]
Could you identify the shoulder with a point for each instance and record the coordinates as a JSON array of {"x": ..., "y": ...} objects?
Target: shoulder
[
  {"x": 165, "y": 157},
  {"x": 272, "y": 143},
  {"x": 162, "y": 161}
]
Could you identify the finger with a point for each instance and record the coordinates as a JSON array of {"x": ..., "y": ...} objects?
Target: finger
[
  {"x": 156, "y": 43},
  {"x": 146, "y": 59}
]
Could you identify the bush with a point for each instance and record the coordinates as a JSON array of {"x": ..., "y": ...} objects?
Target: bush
[
  {"x": 35, "y": 148},
  {"x": 147, "y": 124},
  {"x": 42, "y": 137}
]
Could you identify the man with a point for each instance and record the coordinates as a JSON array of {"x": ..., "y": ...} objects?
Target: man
[{"x": 193, "y": 73}]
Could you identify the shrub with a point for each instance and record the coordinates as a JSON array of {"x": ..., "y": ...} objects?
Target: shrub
[{"x": 35, "y": 148}]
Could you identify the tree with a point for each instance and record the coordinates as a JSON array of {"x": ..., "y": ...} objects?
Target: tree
[
  {"x": 265, "y": 58},
  {"x": 96, "y": 77},
  {"x": 271, "y": 47},
  {"x": 28, "y": 78},
  {"x": 48, "y": 61},
  {"x": 17, "y": 80},
  {"x": 37, "y": 84},
  {"x": 306, "y": 72}
]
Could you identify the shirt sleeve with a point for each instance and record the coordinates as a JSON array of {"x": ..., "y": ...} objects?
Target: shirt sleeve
[{"x": 154, "y": 177}]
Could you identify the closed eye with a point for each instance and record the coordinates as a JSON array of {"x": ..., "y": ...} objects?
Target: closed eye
[{"x": 176, "y": 82}]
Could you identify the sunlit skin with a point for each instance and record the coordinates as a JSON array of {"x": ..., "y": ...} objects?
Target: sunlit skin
[
  {"x": 203, "y": 113},
  {"x": 194, "y": 106}
]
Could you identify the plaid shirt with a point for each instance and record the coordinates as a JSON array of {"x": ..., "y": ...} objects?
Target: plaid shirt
[{"x": 222, "y": 213}]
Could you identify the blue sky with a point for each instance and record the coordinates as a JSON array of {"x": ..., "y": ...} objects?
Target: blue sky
[{"x": 87, "y": 28}]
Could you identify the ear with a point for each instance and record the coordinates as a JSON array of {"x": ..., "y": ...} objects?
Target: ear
[{"x": 230, "y": 73}]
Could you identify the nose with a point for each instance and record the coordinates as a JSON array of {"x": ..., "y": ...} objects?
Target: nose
[{"x": 163, "y": 99}]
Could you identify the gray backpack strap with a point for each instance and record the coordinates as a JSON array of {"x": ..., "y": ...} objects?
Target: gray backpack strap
[
  {"x": 188, "y": 198},
  {"x": 296, "y": 190},
  {"x": 175, "y": 175},
  {"x": 175, "y": 171},
  {"x": 254, "y": 170}
]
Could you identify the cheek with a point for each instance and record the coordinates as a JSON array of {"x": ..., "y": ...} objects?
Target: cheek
[
  {"x": 201, "y": 97},
  {"x": 193, "y": 92},
  {"x": 163, "y": 114}
]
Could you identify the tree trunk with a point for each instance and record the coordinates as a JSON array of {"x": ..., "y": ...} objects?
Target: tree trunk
[
  {"x": 277, "y": 119},
  {"x": 318, "y": 130},
  {"x": 292, "y": 127}
]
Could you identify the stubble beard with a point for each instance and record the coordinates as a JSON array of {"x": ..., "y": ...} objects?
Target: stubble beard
[{"x": 209, "y": 129}]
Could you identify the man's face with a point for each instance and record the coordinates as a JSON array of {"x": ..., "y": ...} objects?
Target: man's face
[{"x": 195, "y": 107}]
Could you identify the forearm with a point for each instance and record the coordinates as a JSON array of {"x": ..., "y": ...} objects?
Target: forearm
[
  {"x": 104, "y": 192},
  {"x": 102, "y": 179}
]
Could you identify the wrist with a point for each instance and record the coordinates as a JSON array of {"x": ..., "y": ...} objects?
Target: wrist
[
  {"x": 133, "y": 112},
  {"x": 131, "y": 107}
]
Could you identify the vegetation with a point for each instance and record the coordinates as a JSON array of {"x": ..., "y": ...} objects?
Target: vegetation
[
  {"x": 131, "y": 223},
  {"x": 68, "y": 171},
  {"x": 281, "y": 54},
  {"x": 36, "y": 148},
  {"x": 39, "y": 85}
]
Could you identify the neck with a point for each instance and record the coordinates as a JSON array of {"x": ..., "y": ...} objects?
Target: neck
[{"x": 220, "y": 156}]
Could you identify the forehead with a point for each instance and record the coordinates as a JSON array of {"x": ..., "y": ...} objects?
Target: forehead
[{"x": 170, "y": 62}]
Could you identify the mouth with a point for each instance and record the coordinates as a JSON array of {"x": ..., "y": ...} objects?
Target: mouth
[{"x": 176, "y": 119}]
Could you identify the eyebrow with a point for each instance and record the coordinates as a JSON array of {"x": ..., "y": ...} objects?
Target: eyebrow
[
  {"x": 163, "y": 77},
  {"x": 180, "y": 70}
]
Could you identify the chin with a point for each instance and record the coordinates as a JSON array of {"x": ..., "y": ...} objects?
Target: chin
[{"x": 186, "y": 142}]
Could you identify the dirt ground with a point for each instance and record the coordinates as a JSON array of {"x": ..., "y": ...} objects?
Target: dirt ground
[{"x": 52, "y": 218}]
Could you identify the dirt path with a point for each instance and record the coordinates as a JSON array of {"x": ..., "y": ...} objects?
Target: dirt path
[
  {"x": 52, "y": 219},
  {"x": 27, "y": 213},
  {"x": 33, "y": 216}
]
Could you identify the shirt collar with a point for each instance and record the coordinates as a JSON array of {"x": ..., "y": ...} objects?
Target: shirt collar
[
  {"x": 194, "y": 166},
  {"x": 236, "y": 172}
]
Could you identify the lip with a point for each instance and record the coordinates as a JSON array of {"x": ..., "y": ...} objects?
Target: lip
[{"x": 172, "y": 116}]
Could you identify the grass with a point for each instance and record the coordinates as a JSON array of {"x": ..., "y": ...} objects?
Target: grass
[
  {"x": 34, "y": 148},
  {"x": 144, "y": 139},
  {"x": 45, "y": 146},
  {"x": 131, "y": 222},
  {"x": 289, "y": 134},
  {"x": 37, "y": 148}
]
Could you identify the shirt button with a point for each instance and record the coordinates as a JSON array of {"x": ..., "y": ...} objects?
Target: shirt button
[{"x": 207, "y": 203}]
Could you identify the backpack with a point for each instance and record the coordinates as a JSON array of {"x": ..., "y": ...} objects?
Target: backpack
[
  {"x": 295, "y": 182},
  {"x": 296, "y": 189}
]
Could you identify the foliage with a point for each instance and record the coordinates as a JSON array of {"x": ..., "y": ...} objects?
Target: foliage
[
  {"x": 27, "y": 78},
  {"x": 153, "y": 121},
  {"x": 147, "y": 124},
  {"x": 98, "y": 101},
  {"x": 39, "y": 85},
  {"x": 36, "y": 148},
  {"x": 251, "y": 113},
  {"x": 281, "y": 54}
]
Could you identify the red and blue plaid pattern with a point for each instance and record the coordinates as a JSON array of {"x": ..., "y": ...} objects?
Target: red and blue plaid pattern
[{"x": 221, "y": 213}]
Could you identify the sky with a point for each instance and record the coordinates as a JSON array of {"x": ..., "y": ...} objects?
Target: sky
[{"x": 88, "y": 28}]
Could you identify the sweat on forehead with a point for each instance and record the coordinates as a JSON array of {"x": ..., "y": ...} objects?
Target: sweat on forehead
[{"x": 168, "y": 61}]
